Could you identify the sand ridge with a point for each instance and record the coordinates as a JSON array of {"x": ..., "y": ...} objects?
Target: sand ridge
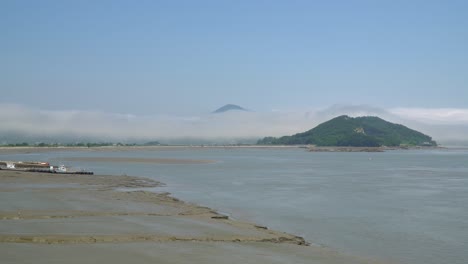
[
  {"x": 139, "y": 160},
  {"x": 109, "y": 219},
  {"x": 134, "y": 213}
]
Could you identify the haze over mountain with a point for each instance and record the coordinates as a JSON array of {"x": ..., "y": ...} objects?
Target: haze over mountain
[{"x": 229, "y": 107}]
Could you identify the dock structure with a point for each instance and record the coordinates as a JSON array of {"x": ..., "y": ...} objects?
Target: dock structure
[
  {"x": 38, "y": 166},
  {"x": 24, "y": 164}
]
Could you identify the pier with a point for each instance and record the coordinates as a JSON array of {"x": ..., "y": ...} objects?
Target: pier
[{"x": 37, "y": 166}]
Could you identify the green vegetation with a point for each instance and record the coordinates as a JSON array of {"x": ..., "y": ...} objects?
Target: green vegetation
[
  {"x": 24, "y": 144},
  {"x": 368, "y": 131}
]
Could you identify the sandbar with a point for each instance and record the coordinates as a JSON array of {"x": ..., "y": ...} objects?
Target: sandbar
[
  {"x": 53, "y": 218},
  {"x": 139, "y": 160}
]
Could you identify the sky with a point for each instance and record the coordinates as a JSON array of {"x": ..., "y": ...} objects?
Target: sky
[{"x": 179, "y": 60}]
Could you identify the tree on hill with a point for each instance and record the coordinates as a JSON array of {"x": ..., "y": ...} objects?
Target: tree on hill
[{"x": 367, "y": 131}]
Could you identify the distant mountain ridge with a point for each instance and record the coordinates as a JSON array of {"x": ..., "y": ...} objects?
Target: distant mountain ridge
[
  {"x": 367, "y": 131},
  {"x": 229, "y": 107}
]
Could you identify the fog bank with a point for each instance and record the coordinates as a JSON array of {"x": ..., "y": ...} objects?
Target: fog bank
[{"x": 443, "y": 124}]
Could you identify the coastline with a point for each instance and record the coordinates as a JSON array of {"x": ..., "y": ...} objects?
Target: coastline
[
  {"x": 369, "y": 149},
  {"x": 347, "y": 149},
  {"x": 93, "y": 215},
  {"x": 33, "y": 149},
  {"x": 311, "y": 148}
]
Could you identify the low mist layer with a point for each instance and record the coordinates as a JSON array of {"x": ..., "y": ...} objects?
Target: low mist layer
[{"x": 446, "y": 125}]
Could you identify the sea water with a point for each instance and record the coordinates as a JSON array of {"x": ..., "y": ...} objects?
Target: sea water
[{"x": 402, "y": 206}]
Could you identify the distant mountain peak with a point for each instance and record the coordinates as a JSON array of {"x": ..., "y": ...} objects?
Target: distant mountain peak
[{"x": 229, "y": 107}]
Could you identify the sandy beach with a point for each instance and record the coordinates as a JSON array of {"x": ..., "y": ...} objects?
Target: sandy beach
[{"x": 51, "y": 218}]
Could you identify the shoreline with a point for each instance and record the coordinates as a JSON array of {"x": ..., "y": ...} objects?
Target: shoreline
[
  {"x": 312, "y": 148},
  {"x": 51, "y": 214},
  {"x": 33, "y": 149}
]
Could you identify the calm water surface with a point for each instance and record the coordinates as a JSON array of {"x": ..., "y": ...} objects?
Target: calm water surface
[{"x": 403, "y": 206}]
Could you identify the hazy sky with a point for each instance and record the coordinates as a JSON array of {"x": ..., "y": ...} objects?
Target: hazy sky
[
  {"x": 156, "y": 69},
  {"x": 190, "y": 57}
]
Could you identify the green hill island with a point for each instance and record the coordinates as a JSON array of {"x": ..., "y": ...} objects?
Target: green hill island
[{"x": 345, "y": 131}]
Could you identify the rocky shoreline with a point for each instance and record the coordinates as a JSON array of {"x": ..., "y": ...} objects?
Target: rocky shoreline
[
  {"x": 346, "y": 149},
  {"x": 365, "y": 149}
]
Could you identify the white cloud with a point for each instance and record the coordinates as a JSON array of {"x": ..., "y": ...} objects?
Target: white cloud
[{"x": 434, "y": 115}]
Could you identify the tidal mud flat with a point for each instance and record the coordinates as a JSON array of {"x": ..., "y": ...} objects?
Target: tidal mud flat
[{"x": 49, "y": 218}]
